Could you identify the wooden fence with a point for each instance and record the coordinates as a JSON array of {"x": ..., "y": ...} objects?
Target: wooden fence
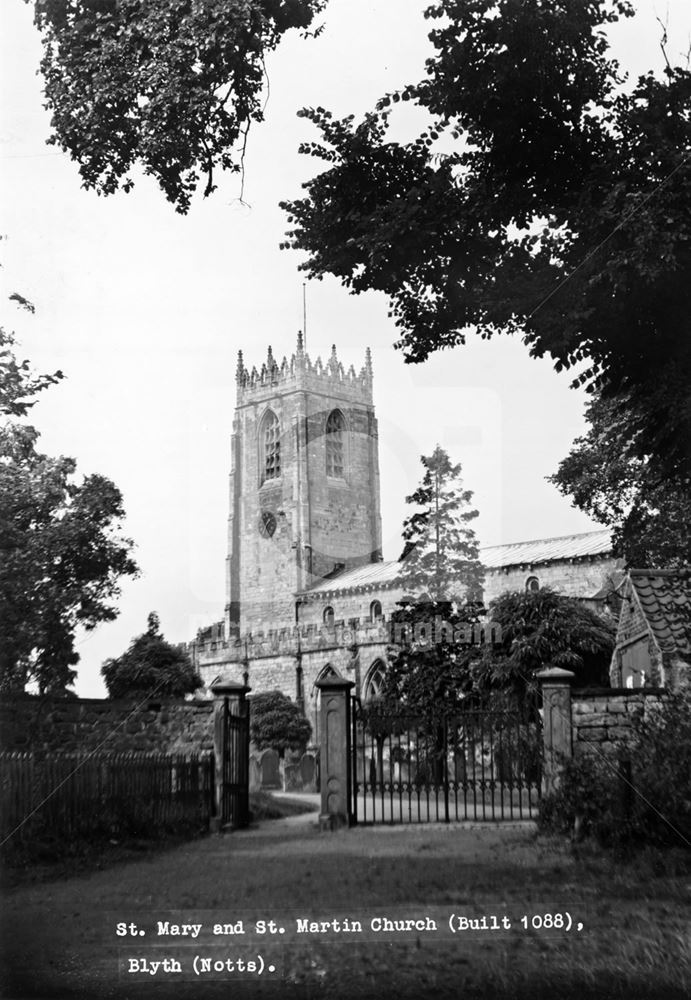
[{"x": 63, "y": 795}]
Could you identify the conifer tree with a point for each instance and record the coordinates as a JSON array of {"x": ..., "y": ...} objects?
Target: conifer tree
[{"x": 440, "y": 557}]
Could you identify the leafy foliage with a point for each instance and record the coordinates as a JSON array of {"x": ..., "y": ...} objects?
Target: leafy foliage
[
  {"x": 562, "y": 211},
  {"x": 542, "y": 628},
  {"x": 440, "y": 558},
  {"x": 433, "y": 670},
  {"x": 150, "y": 665},
  {"x": 642, "y": 797},
  {"x": 590, "y": 799},
  {"x": 17, "y": 382},
  {"x": 648, "y": 511},
  {"x": 277, "y": 723},
  {"x": 61, "y": 551},
  {"x": 173, "y": 85},
  {"x": 430, "y": 670}
]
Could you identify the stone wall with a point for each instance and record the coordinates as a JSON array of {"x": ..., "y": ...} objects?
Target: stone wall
[
  {"x": 601, "y": 720},
  {"x": 77, "y": 724},
  {"x": 574, "y": 578},
  {"x": 350, "y": 604}
]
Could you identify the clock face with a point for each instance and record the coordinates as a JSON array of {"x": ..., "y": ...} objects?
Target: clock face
[{"x": 267, "y": 524}]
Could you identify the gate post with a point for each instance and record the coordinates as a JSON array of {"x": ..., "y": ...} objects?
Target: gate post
[
  {"x": 335, "y": 752},
  {"x": 556, "y": 724},
  {"x": 231, "y": 755}
]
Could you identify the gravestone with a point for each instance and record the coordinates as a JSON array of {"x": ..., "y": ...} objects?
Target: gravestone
[
  {"x": 270, "y": 770},
  {"x": 308, "y": 773},
  {"x": 255, "y": 774},
  {"x": 293, "y": 778}
]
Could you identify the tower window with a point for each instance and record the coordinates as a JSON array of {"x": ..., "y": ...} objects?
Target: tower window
[
  {"x": 335, "y": 426},
  {"x": 272, "y": 447},
  {"x": 375, "y": 611},
  {"x": 532, "y": 584},
  {"x": 329, "y": 617}
]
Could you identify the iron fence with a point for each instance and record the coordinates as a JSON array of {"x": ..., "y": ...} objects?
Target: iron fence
[{"x": 62, "y": 795}]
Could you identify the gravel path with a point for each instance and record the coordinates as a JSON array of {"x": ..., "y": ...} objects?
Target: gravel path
[{"x": 60, "y": 940}]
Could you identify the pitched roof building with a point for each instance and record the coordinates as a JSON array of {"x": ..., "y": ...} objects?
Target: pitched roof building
[{"x": 653, "y": 644}]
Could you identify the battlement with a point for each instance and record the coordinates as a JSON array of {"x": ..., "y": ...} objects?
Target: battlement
[
  {"x": 300, "y": 372},
  {"x": 352, "y": 633},
  {"x": 287, "y": 641}
]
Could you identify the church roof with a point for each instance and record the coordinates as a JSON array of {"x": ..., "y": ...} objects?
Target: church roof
[
  {"x": 374, "y": 575},
  {"x": 664, "y": 597},
  {"x": 543, "y": 550}
]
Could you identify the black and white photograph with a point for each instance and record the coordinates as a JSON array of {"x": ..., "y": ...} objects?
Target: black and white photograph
[{"x": 345, "y": 499}]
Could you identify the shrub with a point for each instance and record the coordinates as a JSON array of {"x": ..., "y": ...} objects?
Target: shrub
[
  {"x": 151, "y": 666},
  {"x": 644, "y": 796},
  {"x": 662, "y": 770},
  {"x": 277, "y": 723},
  {"x": 590, "y": 798}
]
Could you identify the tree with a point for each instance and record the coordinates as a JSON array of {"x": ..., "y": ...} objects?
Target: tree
[
  {"x": 18, "y": 385},
  {"x": 441, "y": 575},
  {"x": 171, "y": 85},
  {"x": 430, "y": 664},
  {"x": 649, "y": 513},
  {"x": 539, "y": 629},
  {"x": 440, "y": 557},
  {"x": 277, "y": 723},
  {"x": 544, "y": 198},
  {"x": 151, "y": 666},
  {"x": 62, "y": 554}
]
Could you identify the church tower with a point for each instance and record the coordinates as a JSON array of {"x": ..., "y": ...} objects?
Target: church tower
[{"x": 304, "y": 484}]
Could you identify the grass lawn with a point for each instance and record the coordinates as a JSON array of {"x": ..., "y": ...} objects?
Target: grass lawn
[{"x": 59, "y": 938}]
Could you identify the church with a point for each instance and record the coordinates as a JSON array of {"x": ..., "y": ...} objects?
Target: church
[{"x": 308, "y": 593}]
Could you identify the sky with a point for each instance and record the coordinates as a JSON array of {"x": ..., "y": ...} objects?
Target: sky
[{"x": 145, "y": 310}]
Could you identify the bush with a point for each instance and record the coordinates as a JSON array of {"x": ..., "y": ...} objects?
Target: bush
[
  {"x": 662, "y": 770},
  {"x": 277, "y": 723},
  {"x": 590, "y": 799},
  {"x": 642, "y": 797},
  {"x": 151, "y": 666}
]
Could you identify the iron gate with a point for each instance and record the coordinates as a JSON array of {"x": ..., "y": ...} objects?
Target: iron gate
[
  {"x": 481, "y": 764},
  {"x": 232, "y": 764}
]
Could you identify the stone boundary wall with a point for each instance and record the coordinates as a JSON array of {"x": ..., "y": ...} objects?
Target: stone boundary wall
[
  {"x": 82, "y": 724},
  {"x": 602, "y": 718}
]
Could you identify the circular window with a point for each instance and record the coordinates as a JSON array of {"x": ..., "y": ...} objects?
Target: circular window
[{"x": 267, "y": 524}]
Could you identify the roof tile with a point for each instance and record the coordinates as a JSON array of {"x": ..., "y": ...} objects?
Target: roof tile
[{"x": 665, "y": 599}]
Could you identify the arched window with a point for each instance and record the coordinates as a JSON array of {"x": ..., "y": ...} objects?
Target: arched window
[
  {"x": 329, "y": 617},
  {"x": 271, "y": 447},
  {"x": 374, "y": 680},
  {"x": 375, "y": 611},
  {"x": 335, "y": 426},
  {"x": 532, "y": 584}
]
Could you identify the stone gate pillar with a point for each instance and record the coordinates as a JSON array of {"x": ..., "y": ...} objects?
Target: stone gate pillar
[
  {"x": 556, "y": 724},
  {"x": 335, "y": 746}
]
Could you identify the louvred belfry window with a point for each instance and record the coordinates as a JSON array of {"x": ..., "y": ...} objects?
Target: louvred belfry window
[
  {"x": 335, "y": 426},
  {"x": 272, "y": 447}
]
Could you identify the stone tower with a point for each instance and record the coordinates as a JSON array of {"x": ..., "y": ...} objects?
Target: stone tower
[{"x": 304, "y": 484}]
